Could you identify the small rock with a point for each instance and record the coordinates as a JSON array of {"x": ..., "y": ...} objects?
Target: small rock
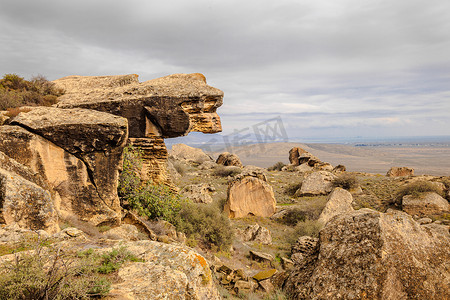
[
  {"x": 400, "y": 171},
  {"x": 424, "y": 221},
  {"x": 261, "y": 257},
  {"x": 267, "y": 286},
  {"x": 244, "y": 286},
  {"x": 264, "y": 274}
]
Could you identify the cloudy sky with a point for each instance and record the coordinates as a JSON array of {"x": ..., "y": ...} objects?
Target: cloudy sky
[{"x": 329, "y": 69}]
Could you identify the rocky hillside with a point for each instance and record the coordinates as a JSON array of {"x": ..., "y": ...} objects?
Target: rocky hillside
[{"x": 93, "y": 206}]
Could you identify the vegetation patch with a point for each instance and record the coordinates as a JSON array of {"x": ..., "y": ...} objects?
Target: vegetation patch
[
  {"x": 416, "y": 189},
  {"x": 277, "y": 166},
  {"x": 346, "y": 181},
  {"x": 225, "y": 171}
]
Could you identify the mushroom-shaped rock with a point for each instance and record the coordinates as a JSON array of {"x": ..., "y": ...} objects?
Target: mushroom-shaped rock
[{"x": 250, "y": 195}]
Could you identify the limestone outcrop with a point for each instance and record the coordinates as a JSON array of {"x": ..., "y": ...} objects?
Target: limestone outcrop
[
  {"x": 317, "y": 183},
  {"x": 250, "y": 194},
  {"x": 185, "y": 152},
  {"x": 77, "y": 153},
  {"x": 161, "y": 108},
  {"x": 303, "y": 161},
  {"x": 400, "y": 171},
  {"x": 367, "y": 254},
  {"x": 229, "y": 159}
]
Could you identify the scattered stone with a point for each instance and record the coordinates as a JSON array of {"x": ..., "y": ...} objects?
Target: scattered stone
[
  {"x": 255, "y": 233},
  {"x": 198, "y": 193},
  {"x": 267, "y": 286},
  {"x": 248, "y": 195},
  {"x": 229, "y": 159},
  {"x": 338, "y": 202},
  {"x": 317, "y": 183},
  {"x": 185, "y": 152},
  {"x": 400, "y": 172},
  {"x": 261, "y": 257},
  {"x": 266, "y": 274},
  {"x": 372, "y": 255},
  {"x": 428, "y": 204}
]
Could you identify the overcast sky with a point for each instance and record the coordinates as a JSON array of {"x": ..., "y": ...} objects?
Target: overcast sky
[{"x": 330, "y": 69}]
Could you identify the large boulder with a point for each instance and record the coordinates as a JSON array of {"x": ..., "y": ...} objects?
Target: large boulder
[
  {"x": 427, "y": 204},
  {"x": 229, "y": 159},
  {"x": 185, "y": 152},
  {"x": 338, "y": 202},
  {"x": 294, "y": 155},
  {"x": 74, "y": 190},
  {"x": 250, "y": 195},
  {"x": 165, "y": 107},
  {"x": 366, "y": 254},
  {"x": 167, "y": 272},
  {"x": 317, "y": 183},
  {"x": 400, "y": 171}
]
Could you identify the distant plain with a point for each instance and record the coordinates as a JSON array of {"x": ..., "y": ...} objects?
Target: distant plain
[{"x": 426, "y": 159}]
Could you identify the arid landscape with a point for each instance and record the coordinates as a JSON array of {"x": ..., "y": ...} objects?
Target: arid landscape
[{"x": 378, "y": 159}]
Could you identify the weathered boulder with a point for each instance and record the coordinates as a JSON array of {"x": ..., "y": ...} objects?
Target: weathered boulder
[
  {"x": 400, "y": 171},
  {"x": 255, "y": 233},
  {"x": 366, "y": 254},
  {"x": 229, "y": 159},
  {"x": 126, "y": 232},
  {"x": 165, "y": 107},
  {"x": 249, "y": 195},
  {"x": 26, "y": 204},
  {"x": 338, "y": 202},
  {"x": 198, "y": 193},
  {"x": 185, "y": 152},
  {"x": 261, "y": 257},
  {"x": 317, "y": 183},
  {"x": 339, "y": 169},
  {"x": 168, "y": 272},
  {"x": 74, "y": 191},
  {"x": 294, "y": 155},
  {"x": 428, "y": 204}
]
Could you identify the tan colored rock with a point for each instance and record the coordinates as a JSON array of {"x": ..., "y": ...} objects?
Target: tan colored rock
[
  {"x": 242, "y": 286},
  {"x": 185, "y": 152},
  {"x": 248, "y": 195},
  {"x": 428, "y": 204},
  {"x": 125, "y": 232},
  {"x": 26, "y": 204},
  {"x": 170, "y": 106},
  {"x": 71, "y": 184},
  {"x": 3, "y": 117},
  {"x": 338, "y": 202},
  {"x": 263, "y": 258},
  {"x": 229, "y": 159},
  {"x": 339, "y": 169},
  {"x": 317, "y": 183},
  {"x": 255, "y": 233},
  {"x": 294, "y": 155},
  {"x": 168, "y": 272},
  {"x": 198, "y": 193},
  {"x": 366, "y": 254},
  {"x": 400, "y": 171},
  {"x": 303, "y": 168}
]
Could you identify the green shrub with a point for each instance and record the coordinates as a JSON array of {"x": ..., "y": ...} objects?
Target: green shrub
[
  {"x": 15, "y": 91},
  {"x": 276, "y": 167},
  {"x": 225, "y": 171},
  {"x": 49, "y": 274},
  {"x": 346, "y": 181},
  {"x": 293, "y": 216},
  {"x": 307, "y": 227},
  {"x": 113, "y": 260},
  {"x": 205, "y": 223}
]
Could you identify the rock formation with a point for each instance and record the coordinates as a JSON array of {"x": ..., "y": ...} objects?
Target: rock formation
[
  {"x": 255, "y": 233},
  {"x": 294, "y": 155},
  {"x": 250, "y": 194},
  {"x": 166, "y": 107},
  {"x": 198, "y": 193},
  {"x": 400, "y": 171},
  {"x": 303, "y": 161},
  {"x": 428, "y": 204},
  {"x": 229, "y": 159},
  {"x": 317, "y": 183},
  {"x": 366, "y": 254},
  {"x": 185, "y": 152},
  {"x": 338, "y": 202}
]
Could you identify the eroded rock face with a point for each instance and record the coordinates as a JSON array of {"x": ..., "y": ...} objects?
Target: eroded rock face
[
  {"x": 366, "y": 254},
  {"x": 294, "y": 155},
  {"x": 166, "y": 107},
  {"x": 428, "y": 204},
  {"x": 168, "y": 272},
  {"x": 250, "y": 195},
  {"x": 26, "y": 204},
  {"x": 338, "y": 202},
  {"x": 69, "y": 180}
]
